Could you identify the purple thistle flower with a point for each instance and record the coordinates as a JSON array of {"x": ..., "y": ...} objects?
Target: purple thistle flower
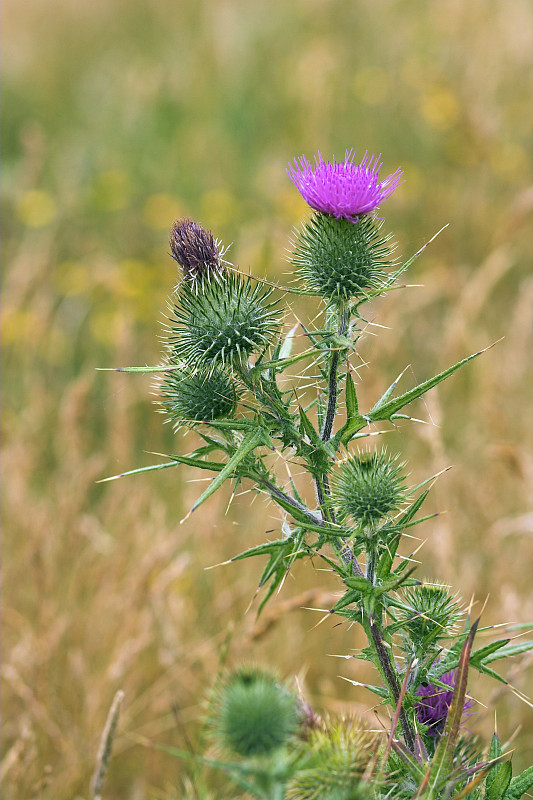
[
  {"x": 434, "y": 703},
  {"x": 343, "y": 189}
]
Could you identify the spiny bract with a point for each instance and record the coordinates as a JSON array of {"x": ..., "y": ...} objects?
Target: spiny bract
[
  {"x": 337, "y": 760},
  {"x": 198, "y": 395},
  {"x": 222, "y": 319},
  {"x": 430, "y": 615},
  {"x": 368, "y": 487},
  {"x": 341, "y": 260}
]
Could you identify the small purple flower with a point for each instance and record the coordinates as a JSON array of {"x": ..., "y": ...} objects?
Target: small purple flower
[
  {"x": 434, "y": 703},
  {"x": 343, "y": 189}
]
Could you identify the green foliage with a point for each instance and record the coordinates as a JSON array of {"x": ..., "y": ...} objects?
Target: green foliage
[
  {"x": 224, "y": 334},
  {"x": 429, "y": 616},
  {"x": 335, "y": 760},
  {"x": 521, "y": 784}
]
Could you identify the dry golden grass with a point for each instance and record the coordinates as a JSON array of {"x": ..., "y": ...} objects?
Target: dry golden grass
[{"x": 120, "y": 115}]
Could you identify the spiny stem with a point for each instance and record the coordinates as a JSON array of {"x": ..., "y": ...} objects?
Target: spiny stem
[
  {"x": 333, "y": 380},
  {"x": 391, "y": 679},
  {"x": 341, "y": 547},
  {"x": 371, "y": 563}
]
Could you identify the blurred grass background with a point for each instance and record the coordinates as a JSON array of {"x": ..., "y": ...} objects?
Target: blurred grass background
[{"x": 120, "y": 115}]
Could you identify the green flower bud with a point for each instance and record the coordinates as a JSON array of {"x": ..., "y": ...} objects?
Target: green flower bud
[
  {"x": 255, "y": 715},
  {"x": 221, "y": 319},
  {"x": 197, "y": 396},
  {"x": 335, "y": 769},
  {"x": 432, "y": 614},
  {"x": 341, "y": 260},
  {"x": 368, "y": 487}
]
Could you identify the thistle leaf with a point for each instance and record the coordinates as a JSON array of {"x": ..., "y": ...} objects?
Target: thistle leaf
[
  {"x": 385, "y": 397},
  {"x": 478, "y": 656},
  {"x": 352, "y": 407},
  {"x": 509, "y": 650},
  {"x": 151, "y": 468},
  {"x": 141, "y": 370},
  {"x": 309, "y": 430},
  {"x": 384, "y": 411},
  {"x": 281, "y": 362},
  {"x": 269, "y": 548},
  {"x": 499, "y": 783},
  {"x": 248, "y": 444},
  {"x": 519, "y": 785}
]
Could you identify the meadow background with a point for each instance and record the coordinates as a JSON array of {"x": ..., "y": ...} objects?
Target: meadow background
[{"x": 120, "y": 115}]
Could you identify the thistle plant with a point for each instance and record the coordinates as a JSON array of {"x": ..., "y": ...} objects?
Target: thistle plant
[{"x": 229, "y": 344}]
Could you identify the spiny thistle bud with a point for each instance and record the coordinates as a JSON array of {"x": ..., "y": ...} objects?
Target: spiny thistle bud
[
  {"x": 340, "y": 260},
  {"x": 368, "y": 487},
  {"x": 254, "y": 714},
  {"x": 431, "y": 616},
  {"x": 338, "y": 759},
  {"x": 222, "y": 321},
  {"x": 195, "y": 249},
  {"x": 201, "y": 395}
]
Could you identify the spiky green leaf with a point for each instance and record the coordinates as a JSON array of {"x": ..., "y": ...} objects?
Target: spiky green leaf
[
  {"x": 520, "y": 785},
  {"x": 384, "y": 411},
  {"x": 441, "y": 765},
  {"x": 252, "y": 440},
  {"x": 498, "y": 781},
  {"x": 352, "y": 406}
]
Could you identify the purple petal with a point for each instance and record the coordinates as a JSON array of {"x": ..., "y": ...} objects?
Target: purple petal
[{"x": 343, "y": 189}]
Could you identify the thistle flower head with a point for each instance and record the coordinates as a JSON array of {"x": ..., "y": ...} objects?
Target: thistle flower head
[
  {"x": 195, "y": 249},
  {"x": 432, "y": 707},
  {"x": 343, "y": 189},
  {"x": 368, "y": 487},
  {"x": 199, "y": 395},
  {"x": 254, "y": 714}
]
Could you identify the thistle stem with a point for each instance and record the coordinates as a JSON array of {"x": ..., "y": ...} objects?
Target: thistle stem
[
  {"x": 390, "y": 677},
  {"x": 343, "y": 550},
  {"x": 333, "y": 379}
]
